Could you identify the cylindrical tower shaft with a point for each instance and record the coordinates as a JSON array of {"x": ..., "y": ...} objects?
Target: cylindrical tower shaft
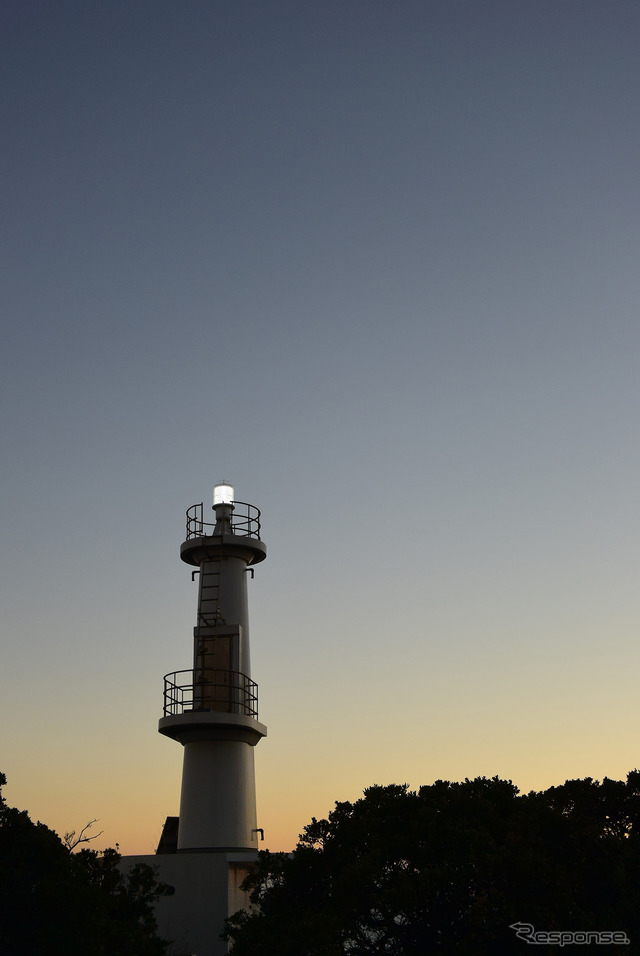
[{"x": 212, "y": 709}]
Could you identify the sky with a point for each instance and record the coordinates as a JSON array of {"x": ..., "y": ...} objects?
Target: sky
[{"x": 376, "y": 264}]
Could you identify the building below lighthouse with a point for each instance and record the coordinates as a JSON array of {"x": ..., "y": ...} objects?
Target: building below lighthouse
[{"x": 211, "y": 709}]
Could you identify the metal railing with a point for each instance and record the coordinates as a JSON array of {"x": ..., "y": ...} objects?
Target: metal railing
[
  {"x": 217, "y": 691},
  {"x": 244, "y": 519}
]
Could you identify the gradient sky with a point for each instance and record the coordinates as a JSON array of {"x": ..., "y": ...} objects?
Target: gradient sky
[{"x": 376, "y": 264}]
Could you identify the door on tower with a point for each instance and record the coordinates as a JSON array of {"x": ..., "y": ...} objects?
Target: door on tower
[{"x": 217, "y": 677}]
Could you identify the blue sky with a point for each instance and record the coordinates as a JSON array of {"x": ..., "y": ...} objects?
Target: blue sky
[{"x": 376, "y": 264}]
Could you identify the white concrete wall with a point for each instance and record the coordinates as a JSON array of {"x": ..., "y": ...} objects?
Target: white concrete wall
[{"x": 206, "y": 892}]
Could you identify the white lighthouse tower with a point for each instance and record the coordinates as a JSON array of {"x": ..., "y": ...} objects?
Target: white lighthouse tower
[{"x": 212, "y": 710}]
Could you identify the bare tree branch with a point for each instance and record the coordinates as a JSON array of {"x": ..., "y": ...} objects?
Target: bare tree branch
[{"x": 71, "y": 841}]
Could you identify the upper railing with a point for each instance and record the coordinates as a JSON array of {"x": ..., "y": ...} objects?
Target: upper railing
[
  {"x": 223, "y": 692},
  {"x": 244, "y": 518}
]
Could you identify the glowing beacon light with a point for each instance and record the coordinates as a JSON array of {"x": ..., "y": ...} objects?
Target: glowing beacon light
[{"x": 222, "y": 494}]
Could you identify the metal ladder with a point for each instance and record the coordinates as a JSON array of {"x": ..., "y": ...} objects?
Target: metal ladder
[{"x": 209, "y": 595}]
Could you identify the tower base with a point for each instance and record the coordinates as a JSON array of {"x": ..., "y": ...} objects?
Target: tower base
[{"x": 206, "y": 889}]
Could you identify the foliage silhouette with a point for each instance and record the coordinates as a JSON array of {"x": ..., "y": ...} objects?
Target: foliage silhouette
[
  {"x": 57, "y": 903},
  {"x": 448, "y": 869}
]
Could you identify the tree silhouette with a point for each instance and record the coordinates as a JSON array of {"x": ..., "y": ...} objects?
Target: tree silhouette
[
  {"x": 449, "y": 869},
  {"x": 57, "y": 903}
]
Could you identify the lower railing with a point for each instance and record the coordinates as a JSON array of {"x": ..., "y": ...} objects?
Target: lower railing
[{"x": 226, "y": 692}]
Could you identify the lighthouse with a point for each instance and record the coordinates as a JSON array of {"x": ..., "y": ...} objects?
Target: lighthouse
[{"x": 211, "y": 709}]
